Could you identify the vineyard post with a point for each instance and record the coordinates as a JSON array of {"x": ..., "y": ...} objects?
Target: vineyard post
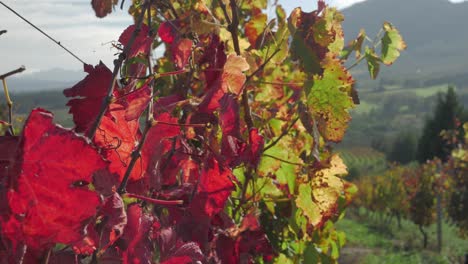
[
  {"x": 439, "y": 213},
  {"x": 7, "y": 96},
  {"x": 439, "y": 222}
]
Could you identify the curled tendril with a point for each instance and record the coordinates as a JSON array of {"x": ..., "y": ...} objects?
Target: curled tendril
[{"x": 110, "y": 146}]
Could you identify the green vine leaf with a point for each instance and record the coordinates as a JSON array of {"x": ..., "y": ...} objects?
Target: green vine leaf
[
  {"x": 330, "y": 99},
  {"x": 354, "y": 45},
  {"x": 392, "y": 44},
  {"x": 373, "y": 62}
]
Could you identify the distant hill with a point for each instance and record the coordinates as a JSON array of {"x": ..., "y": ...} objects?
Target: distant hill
[
  {"x": 436, "y": 32},
  {"x": 53, "y": 79}
]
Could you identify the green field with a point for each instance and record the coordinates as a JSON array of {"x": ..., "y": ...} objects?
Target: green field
[
  {"x": 371, "y": 240},
  {"x": 363, "y": 160},
  {"x": 420, "y": 91}
]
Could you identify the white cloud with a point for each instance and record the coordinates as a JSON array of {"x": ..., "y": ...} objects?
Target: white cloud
[
  {"x": 71, "y": 22},
  {"x": 343, "y": 3}
]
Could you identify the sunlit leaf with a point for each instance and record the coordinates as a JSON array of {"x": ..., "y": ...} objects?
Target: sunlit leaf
[
  {"x": 330, "y": 99},
  {"x": 373, "y": 63},
  {"x": 392, "y": 44},
  {"x": 49, "y": 199},
  {"x": 103, "y": 7}
]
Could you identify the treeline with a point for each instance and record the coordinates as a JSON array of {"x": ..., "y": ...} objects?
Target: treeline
[{"x": 405, "y": 146}]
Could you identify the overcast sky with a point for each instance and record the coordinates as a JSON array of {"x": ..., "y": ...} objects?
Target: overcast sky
[{"x": 72, "y": 22}]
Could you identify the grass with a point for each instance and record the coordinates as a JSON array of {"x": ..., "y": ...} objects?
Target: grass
[
  {"x": 369, "y": 240},
  {"x": 420, "y": 91},
  {"x": 407, "y": 257},
  {"x": 430, "y": 91}
]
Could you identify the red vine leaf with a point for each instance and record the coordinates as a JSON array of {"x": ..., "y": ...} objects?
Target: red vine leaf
[
  {"x": 49, "y": 199},
  {"x": 166, "y": 103},
  {"x": 89, "y": 94},
  {"x": 214, "y": 188},
  {"x": 180, "y": 47},
  {"x": 181, "y": 51},
  {"x": 157, "y": 144},
  {"x": 233, "y": 78},
  {"x": 255, "y": 27},
  {"x": 250, "y": 241},
  {"x": 115, "y": 219},
  {"x": 88, "y": 244},
  {"x": 257, "y": 144},
  {"x": 103, "y": 7},
  {"x": 142, "y": 43},
  {"x": 167, "y": 31},
  {"x": 117, "y": 138},
  {"x": 213, "y": 59},
  {"x": 175, "y": 251},
  {"x": 135, "y": 102},
  {"x": 137, "y": 236},
  {"x": 9, "y": 146},
  {"x": 232, "y": 145}
]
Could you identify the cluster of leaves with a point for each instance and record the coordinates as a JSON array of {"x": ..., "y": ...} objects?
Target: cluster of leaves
[
  {"x": 458, "y": 201},
  {"x": 407, "y": 192},
  {"x": 390, "y": 42},
  {"x": 386, "y": 193},
  {"x": 441, "y": 176},
  {"x": 215, "y": 152}
]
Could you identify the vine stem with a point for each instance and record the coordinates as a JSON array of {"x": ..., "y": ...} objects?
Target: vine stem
[
  {"x": 281, "y": 83},
  {"x": 155, "y": 201},
  {"x": 8, "y": 74},
  {"x": 356, "y": 62},
  {"x": 284, "y": 133},
  {"x": 243, "y": 200},
  {"x": 261, "y": 67},
  {"x": 47, "y": 257},
  {"x": 117, "y": 65},
  {"x": 150, "y": 116},
  {"x": 283, "y": 160},
  {"x": 233, "y": 29},
  {"x": 150, "y": 122},
  {"x": 7, "y": 96},
  {"x": 180, "y": 125},
  {"x": 136, "y": 154},
  {"x": 375, "y": 43}
]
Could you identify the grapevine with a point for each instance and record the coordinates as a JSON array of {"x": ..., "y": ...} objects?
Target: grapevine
[{"x": 218, "y": 151}]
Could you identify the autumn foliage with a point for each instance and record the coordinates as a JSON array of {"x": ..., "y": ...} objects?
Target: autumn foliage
[{"x": 217, "y": 151}]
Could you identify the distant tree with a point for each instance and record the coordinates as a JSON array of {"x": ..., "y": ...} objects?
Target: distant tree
[
  {"x": 446, "y": 114},
  {"x": 458, "y": 202},
  {"x": 422, "y": 199},
  {"x": 403, "y": 148},
  {"x": 380, "y": 87},
  {"x": 378, "y": 143}
]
